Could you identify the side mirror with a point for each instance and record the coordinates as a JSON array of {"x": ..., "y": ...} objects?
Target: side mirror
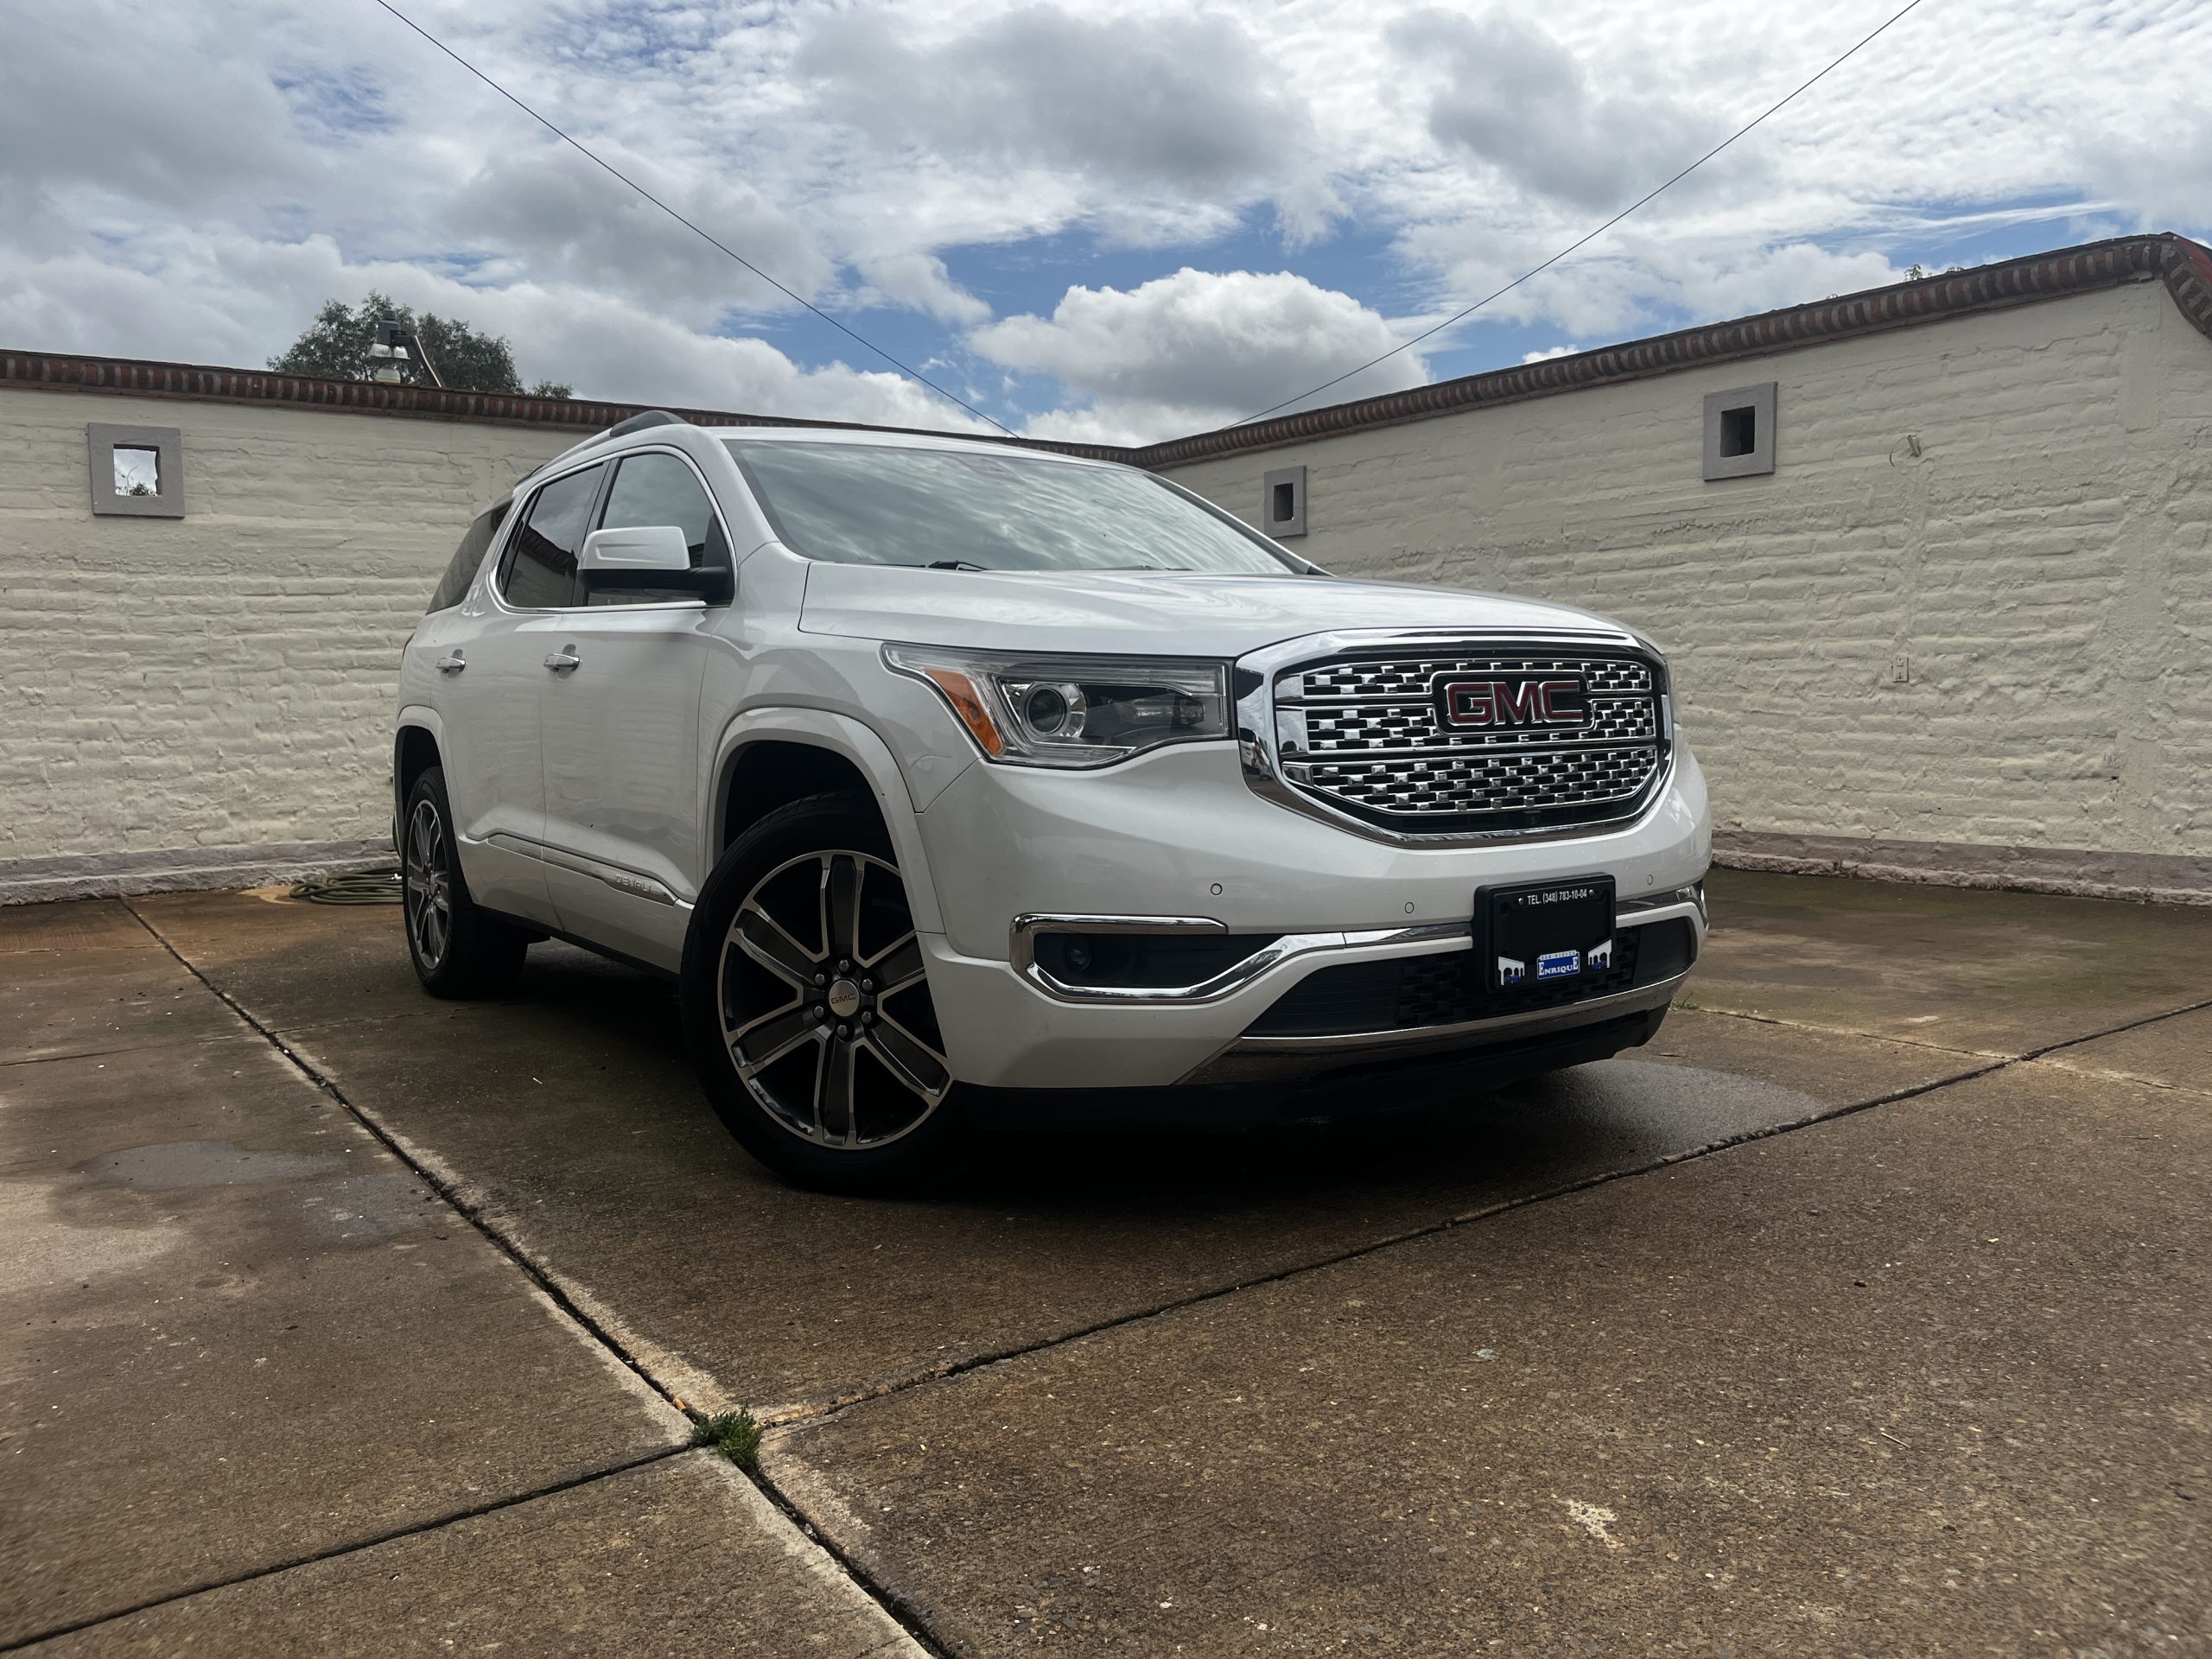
[
  {"x": 648, "y": 558},
  {"x": 636, "y": 551}
]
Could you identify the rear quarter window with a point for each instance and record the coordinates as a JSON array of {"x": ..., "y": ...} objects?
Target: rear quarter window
[{"x": 468, "y": 559}]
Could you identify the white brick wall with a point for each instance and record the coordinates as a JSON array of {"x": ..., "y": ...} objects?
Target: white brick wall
[
  {"x": 2042, "y": 567},
  {"x": 224, "y": 680}
]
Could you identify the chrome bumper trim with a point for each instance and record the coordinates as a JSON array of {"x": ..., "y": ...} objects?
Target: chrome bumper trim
[
  {"x": 1255, "y": 1059},
  {"x": 1443, "y": 935}
]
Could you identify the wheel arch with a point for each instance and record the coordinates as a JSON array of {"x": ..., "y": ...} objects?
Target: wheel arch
[
  {"x": 767, "y": 756},
  {"x": 415, "y": 748}
]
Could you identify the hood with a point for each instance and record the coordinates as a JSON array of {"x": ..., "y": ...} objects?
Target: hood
[{"x": 1141, "y": 612}]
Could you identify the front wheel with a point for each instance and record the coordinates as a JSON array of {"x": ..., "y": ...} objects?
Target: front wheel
[{"x": 805, "y": 1006}]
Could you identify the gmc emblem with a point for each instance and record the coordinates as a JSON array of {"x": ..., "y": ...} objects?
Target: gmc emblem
[{"x": 1521, "y": 700}]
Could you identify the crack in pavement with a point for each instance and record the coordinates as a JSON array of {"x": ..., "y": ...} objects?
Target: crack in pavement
[
  {"x": 893, "y": 1606},
  {"x": 435, "y": 1525},
  {"x": 791, "y": 1416},
  {"x": 1758, "y": 1018},
  {"x": 1940, "y": 1048}
]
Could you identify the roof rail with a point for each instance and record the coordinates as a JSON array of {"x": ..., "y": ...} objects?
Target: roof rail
[{"x": 639, "y": 423}]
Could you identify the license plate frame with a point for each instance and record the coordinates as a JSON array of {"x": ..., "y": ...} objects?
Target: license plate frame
[{"x": 1536, "y": 934}]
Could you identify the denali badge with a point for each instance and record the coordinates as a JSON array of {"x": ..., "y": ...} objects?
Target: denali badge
[{"x": 1512, "y": 700}]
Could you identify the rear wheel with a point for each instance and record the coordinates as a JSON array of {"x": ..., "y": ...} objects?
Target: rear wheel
[
  {"x": 805, "y": 1003},
  {"x": 458, "y": 950}
]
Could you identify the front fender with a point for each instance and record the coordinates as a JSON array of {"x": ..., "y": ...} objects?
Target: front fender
[{"x": 843, "y": 735}]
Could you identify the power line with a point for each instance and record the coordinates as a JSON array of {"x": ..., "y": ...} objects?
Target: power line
[
  {"x": 1458, "y": 316},
  {"x": 911, "y": 373}
]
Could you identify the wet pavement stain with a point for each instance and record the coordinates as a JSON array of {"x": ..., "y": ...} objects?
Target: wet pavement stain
[{"x": 172, "y": 1164}]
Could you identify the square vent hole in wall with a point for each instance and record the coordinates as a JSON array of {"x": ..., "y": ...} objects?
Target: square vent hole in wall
[
  {"x": 137, "y": 471},
  {"x": 1740, "y": 432},
  {"x": 1283, "y": 509}
]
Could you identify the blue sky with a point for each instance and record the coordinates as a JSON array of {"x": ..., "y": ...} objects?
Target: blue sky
[{"x": 1109, "y": 219}]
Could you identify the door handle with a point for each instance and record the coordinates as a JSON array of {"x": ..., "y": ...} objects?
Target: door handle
[
  {"x": 563, "y": 660},
  {"x": 451, "y": 663}
]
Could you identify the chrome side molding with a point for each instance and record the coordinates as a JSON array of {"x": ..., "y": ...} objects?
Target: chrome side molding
[{"x": 636, "y": 886}]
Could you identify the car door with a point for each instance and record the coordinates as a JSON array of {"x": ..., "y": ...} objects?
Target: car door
[
  {"x": 620, "y": 730},
  {"x": 493, "y": 685}
]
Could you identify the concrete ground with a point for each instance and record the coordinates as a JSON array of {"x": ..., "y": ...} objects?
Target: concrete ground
[{"x": 1867, "y": 1311}]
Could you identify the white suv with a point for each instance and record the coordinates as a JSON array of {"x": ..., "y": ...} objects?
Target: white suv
[{"x": 961, "y": 779}]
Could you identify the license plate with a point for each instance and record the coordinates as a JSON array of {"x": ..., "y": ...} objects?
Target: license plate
[{"x": 1548, "y": 933}]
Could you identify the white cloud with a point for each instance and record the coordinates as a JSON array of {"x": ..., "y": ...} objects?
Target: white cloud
[
  {"x": 1512, "y": 96},
  {"x": 540, "y": 211},
  {"x": 235, "y": 299},
  {"x": 919, "y": 280},
  {"x": 191, "y": 181},
  {"x": 1179, "y": 105},
  {"x": 1549, "y": 353},
  {"x": 1193, "y": 350}
]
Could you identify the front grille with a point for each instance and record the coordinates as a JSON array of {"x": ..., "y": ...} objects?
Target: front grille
[
  {"x": 1367, "y": 727},
  {"x": 1398, "y": 677},
  {"x": 1369, "y": 735},
  {"x": 1488, "y": 783},
  {"x": 1412, "y": 993}
]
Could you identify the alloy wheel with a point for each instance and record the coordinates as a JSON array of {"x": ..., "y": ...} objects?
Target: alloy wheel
[
  {"x": 429, "y": 895},
  {"x": 824, "y": 1006}
]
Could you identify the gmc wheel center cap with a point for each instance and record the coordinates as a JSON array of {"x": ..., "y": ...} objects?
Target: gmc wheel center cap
[{"x": 844, "y": 999}]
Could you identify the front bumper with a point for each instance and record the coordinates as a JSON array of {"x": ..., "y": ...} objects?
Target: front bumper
[{"x": 1177, "y": 835}]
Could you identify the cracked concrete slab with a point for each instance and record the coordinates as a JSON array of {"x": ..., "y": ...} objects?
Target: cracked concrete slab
[
  {"x": 682, "y": 1557},
  {"x": 2174, "y": 1053},
  {"x": 234, "y": 1330},
  {"x": 1995, "y": 973},
  {"x": 1935, "y": 1377},
  {"x": 570, "y": 1115}
]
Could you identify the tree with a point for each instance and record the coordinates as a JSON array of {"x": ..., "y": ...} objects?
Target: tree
[{"x": 337, "y": 344}]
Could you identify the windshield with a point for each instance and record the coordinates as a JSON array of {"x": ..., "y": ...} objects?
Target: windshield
[{"x": 871, "y": 504}]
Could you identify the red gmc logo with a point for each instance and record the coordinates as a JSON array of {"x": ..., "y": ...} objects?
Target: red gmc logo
[{"x": 1520, "y": 700}]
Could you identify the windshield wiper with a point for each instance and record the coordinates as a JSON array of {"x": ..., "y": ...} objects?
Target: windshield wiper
[{"x": 953, "y": 565}]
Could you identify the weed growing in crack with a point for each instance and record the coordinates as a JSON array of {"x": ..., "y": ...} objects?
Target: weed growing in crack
[{"x": 735, "y": 1434}]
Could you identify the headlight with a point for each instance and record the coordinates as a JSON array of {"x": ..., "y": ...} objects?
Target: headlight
[{"x": 1072, "y": 711}]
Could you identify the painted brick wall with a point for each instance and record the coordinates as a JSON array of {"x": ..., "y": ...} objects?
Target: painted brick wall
[
  {"x": 2006, "y": 640},
  {"x": 224, "y": 680}
]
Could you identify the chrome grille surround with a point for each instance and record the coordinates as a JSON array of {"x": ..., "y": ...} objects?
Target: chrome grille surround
[{"x": 1344, "y": 727}]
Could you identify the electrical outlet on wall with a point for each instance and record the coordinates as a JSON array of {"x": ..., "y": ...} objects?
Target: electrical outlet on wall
[{"x": 1901, "y": 669}]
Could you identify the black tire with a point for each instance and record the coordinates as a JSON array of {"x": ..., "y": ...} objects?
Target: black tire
[
  {"x": 458, "y": 950},
  {"x": 806, "y": 1007}
]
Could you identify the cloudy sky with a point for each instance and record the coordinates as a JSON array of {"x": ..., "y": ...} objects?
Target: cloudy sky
[{"x": 1089, "y": 219}]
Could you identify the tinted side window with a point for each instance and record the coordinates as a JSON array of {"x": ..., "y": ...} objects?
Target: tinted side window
[
  {"x": 660, "y": 489},
  {"x": 452, "y": 586},
  {"x": 542, "y": 564}
]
